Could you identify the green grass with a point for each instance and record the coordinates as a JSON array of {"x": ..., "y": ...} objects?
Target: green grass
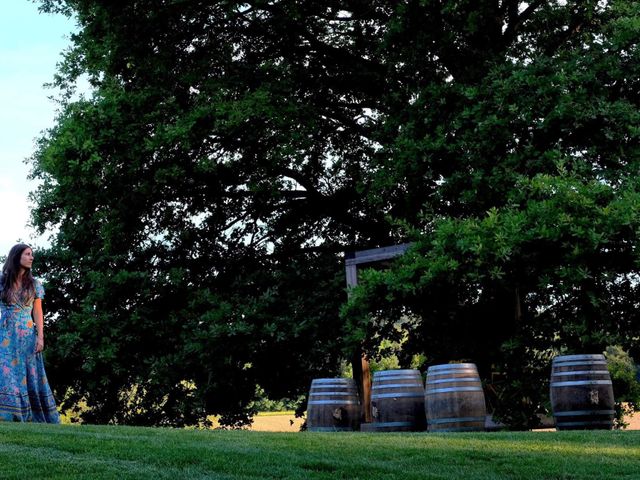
[{"x": 99, "y": 452}]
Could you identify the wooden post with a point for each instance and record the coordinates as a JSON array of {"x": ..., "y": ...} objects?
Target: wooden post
[
  {"x": 366, "y": 389},
  {"x": 359, "y": 362}
]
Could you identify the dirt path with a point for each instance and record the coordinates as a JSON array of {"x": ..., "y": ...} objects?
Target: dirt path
[{"x": 276, "y": 423}]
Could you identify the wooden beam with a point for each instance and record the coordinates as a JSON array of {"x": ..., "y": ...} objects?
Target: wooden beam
[
  {"x": 375, "y": 254},
  {"x": 360, "y": 363}
]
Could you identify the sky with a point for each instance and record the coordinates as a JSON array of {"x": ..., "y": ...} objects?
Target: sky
[{"x": 30, "y": 47}]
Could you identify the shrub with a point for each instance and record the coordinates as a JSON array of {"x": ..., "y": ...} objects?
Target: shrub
[{"x": 626, "y": 387}]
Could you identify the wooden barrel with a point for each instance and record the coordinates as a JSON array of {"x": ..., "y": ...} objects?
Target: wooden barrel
[
  {"x": 581, "y": 393},
  {"x": 333, "y": 405},
  {"x": 397, "y": 401},
  {"x": 454, "y": 399}
]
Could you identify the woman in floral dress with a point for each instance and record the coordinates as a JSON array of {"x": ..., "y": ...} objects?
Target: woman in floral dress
[{"x": 25, "y": 395}]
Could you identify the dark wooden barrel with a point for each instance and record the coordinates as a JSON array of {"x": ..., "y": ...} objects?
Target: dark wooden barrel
[
  {"x": 454, "y": 399},
  {"x": 333, "y": 405},
  {"x": 397, "y": 401},
  {"x": 581, "y": 393}
]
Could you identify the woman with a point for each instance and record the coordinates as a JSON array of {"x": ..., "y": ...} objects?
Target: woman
[{"x": 25, "y": 395}]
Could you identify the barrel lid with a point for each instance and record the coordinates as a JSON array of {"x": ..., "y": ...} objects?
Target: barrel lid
[
  {"x": 569, "y": 358},
  {"x": 398, "y": 372},
  {"x": 451, "y": 366}
]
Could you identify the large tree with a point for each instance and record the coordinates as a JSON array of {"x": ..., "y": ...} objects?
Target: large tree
[{"x": 229, "y": 151}]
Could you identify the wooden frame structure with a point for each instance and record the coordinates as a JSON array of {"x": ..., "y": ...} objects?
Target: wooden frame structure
[{"x": 360, "y": 363}]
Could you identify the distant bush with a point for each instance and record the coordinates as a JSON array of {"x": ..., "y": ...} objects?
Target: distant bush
[{"x": 626, "y": 387}]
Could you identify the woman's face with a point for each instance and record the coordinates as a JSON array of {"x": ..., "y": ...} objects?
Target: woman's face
[{"x": 26, "y": 259}]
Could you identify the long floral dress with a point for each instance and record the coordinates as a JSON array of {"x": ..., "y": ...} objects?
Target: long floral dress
[{"x": 25, "y": 395}]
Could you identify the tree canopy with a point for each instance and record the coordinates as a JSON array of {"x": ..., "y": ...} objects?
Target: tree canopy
[{"x": 201, "y": 195}]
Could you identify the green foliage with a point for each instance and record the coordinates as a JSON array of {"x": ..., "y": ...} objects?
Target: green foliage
[
  {"x": 392, "y": 355},
  {"x": 528, "y": 243},
  {"x": 201, "y": 195},
  {"x": 626, "y": 386},
  {"x": 265, "y": 404},
  {"x": 551, "y": 271}
]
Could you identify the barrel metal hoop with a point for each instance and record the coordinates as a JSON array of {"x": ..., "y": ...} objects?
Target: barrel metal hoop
[
  {"x": 568, "y": 358},
  {"x": 459, "y": 371},
  {"x": 332, "y": 402},
  {"x": 450, "y": 380},
  {"x": 438, "y": 421},
  {"x": 339, "y": 394},
  {"x": 393, "y": 373},
  {"x": 580, "y": 424},
  {"x": 342, "y": 394},
  {"x": 392, "y": 424},
  {"x": 579, "y": 364},
  {"x": 448, "y": 373},
  {"x": 447, "y": 376},
  {"x": 454, "y": 389},
  {"x": 342, "y": 388},
  {"x": 580, "y": 372},
  {"x": 333, "y": 380},
  {"x": 397, "y": 395},
  {"x": 579, "y": 413},
  {"x": 335, "y": 388},
  {"x": 578, "y": 383},
  {"x": 396, "y": 385},
  {"x": 396, "y": 378}
]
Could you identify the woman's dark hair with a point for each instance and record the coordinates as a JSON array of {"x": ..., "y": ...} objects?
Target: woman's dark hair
[{"x": 10, "y": 272}]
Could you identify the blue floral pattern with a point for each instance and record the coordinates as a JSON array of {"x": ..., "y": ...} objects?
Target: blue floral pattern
[{"x": 25, "y": 395}]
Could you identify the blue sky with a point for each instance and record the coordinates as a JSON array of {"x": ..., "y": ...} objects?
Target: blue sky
[{"x": 30, "y": 46}]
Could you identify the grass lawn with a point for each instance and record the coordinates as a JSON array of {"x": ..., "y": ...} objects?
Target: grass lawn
[{"x": 29, "y": 451}]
